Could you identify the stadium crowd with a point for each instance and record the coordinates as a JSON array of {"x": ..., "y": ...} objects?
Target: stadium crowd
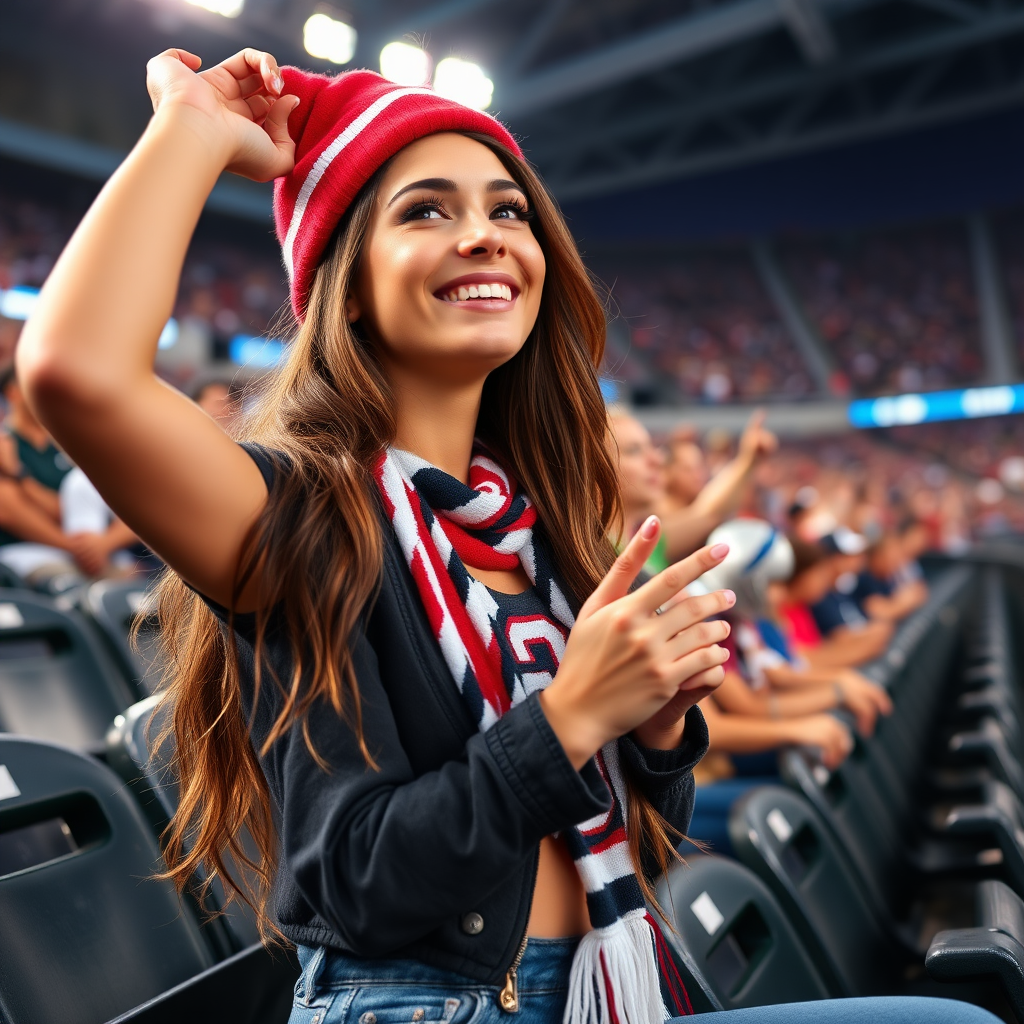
[
  {"x": 896, "y": 309},
  {"x": 705, "y": 321},
  {"x": 825, "y": 542}
]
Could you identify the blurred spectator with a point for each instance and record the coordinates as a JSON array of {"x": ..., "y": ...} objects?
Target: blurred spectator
[
  {"x": 896, "y": 308},
  {"x": 704, "y": 319},
  {"x": 218, "y": 399},
  {"x": 642, "y": 486},
  {"x": 99, "y": 536}
]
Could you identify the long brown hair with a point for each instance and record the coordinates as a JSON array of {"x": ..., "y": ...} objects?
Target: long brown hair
[{"x": 316, "y": 552}]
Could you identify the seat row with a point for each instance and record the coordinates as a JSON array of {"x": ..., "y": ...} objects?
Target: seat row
[{"x": 900, "y": 872}]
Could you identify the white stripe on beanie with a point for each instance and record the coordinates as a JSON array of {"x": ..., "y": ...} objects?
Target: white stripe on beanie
[{"x": 351, "y": 132}]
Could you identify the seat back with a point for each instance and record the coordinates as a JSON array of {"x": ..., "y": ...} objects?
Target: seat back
[
  {"x": 131, "y": 752},
  {"x": 115, "y": 606},
  {"x": 737, "y": 934},
  {"x": 57, "y": 682},
  {"x": 778, "y": 835},
  {"x": 86, "y": 931},
  {"x": 868, "y": 803}
]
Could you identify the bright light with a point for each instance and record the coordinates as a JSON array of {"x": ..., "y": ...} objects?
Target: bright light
[
  {"x": 169, "y": 335},
  {"x": 328, "y": 39},
  {"x": 18, "y": 302},
  {"x": 464, "y": 82},
  {"x": 259, "y": 353},
  {"x": 229, "y": 8},
  {"x": 405, "y": 64}
]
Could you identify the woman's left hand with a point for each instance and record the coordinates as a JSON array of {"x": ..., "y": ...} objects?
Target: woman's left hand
[{"x": 664, "y": 730}]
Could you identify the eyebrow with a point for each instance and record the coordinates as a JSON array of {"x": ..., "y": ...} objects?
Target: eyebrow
[{"x": 447, "y": 185}]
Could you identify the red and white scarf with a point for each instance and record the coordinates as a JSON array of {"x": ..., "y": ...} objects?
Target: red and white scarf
[{"x": 442, "y": 524}]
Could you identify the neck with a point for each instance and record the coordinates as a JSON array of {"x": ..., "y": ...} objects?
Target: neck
[{"x": 436, "y": 420}]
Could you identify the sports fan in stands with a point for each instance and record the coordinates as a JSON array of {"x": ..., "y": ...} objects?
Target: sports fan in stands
[
  {"x": 377, "y": 591},
  {"x": 642, "y": 486},
  {"x": 768, "y": 699},
  {"x": 33, "y": 540},
  {"x": 851, "y": 639},
  {"x": 888, "y": 587},
  {"x": 218, "y": 400}
]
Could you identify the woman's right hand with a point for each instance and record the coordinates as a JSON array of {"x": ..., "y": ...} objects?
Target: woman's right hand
[
  {"x": 827, "y": 734},
  {"x": 624, "y": 660},
  {"x": 238, "y": 105}
]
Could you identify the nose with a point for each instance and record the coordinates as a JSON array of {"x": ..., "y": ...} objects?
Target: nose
[{"x": 482, "y": 237}]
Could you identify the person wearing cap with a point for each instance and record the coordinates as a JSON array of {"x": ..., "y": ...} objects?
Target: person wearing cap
[
  {"x": 845, "y": 645},
  {"x": 407, "y": 658}
]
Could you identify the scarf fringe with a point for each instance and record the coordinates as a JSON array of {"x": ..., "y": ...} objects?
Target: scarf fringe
[{"x": 614, "y": 977}]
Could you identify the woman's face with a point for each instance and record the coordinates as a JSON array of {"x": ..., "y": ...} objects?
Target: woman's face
[
  {"x": 641, "y": 464},
  {"x": 450, "y": 275}
]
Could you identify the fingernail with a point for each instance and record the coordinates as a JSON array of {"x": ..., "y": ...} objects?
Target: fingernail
[
  {"x": 650, "y": 527},
  {"x": 729, "y": 596},
  {"x": 278, "y": 83},
  {"x": 719, "y": 551}
]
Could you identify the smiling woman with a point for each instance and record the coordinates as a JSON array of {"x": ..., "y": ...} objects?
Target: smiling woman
[{"x": 404, "y": 656}]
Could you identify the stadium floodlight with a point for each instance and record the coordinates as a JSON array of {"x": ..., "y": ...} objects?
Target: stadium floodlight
[
  {"x": 228, "y": 8},
  {"x": 405, "y": 64},
  {"x": 19, "y": 302},
  {"x": 329, "y": 39},
  {"x": 464, "y": 82}
]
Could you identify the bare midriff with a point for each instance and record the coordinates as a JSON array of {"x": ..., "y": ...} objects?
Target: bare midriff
[
  {"x": 559, "y": 901},
  {"x": 559, "y": 906}
]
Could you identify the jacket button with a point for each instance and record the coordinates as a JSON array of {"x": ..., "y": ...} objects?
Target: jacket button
[{"x": 472, "y": 923}]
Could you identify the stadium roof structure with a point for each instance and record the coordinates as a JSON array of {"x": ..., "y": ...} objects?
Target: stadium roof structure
[{"x": 607, "y": 95}]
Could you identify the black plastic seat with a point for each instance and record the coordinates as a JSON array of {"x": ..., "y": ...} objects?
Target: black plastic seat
[
  {"x": 57, "y": 681},
  {"x": 115, "y": 606},
  {"x": 86, "y": 931},
  {"x": 228, "y": 927},
  {"x": 734, "y": 929},
  {"x": 993, "y": 948},
  {"x": 777, "y": 834}
]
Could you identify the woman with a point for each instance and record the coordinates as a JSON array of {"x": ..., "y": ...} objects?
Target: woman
[{"x": 379, "y": 704}]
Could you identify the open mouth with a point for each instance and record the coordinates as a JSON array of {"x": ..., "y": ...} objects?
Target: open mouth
[{"x": 486, "y": 292}]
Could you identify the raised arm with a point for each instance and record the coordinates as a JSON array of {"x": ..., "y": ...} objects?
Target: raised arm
[
  {"x": 686, "y": 529},
  {"x": 85, "y": 359}
]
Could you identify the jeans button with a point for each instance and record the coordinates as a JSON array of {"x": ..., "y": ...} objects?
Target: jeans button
[
  {"x": 472, "y": 923},
  {"x": 368, "y": 1018}
]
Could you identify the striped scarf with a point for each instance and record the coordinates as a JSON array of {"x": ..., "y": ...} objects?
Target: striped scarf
[{"x": 442, "y": 524}]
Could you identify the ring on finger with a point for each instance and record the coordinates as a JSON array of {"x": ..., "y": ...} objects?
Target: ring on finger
[{"x": 659, "y": 611}]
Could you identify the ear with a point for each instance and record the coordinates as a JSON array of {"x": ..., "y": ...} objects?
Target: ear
[{"x": 353, "y": 310}]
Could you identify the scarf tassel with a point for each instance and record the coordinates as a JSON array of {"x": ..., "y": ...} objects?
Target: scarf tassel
[{"x": 614, "y": 977}]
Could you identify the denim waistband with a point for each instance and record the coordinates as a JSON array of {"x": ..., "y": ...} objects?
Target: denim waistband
[{"x": 544, "y": 967}]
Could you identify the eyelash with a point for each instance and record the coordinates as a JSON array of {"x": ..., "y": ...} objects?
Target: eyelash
[{"x": 436, "y": 203}]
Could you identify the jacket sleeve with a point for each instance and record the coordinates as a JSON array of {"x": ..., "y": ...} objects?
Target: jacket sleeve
[
  {"x": 383, "y": 856},
  {"x": 665, "y": 777}
]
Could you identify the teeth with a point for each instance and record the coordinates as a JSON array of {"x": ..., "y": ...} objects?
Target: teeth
[{"x": 480, "y": 291}]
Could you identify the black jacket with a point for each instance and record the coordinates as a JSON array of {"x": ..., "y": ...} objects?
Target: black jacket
[{"x": 392, "y": 863}]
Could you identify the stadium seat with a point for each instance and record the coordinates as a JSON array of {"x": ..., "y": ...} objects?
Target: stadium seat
[
  {"x": 86, "y": 931},
  {"x": 995, "y": 947},
  {"x": 776, "y": 833},
  {"x": 9, "y": 579},
  {"x": 734, "y": 929},
  {"x": 130, "y": 753},
  {"x": 57, "y": 681},
  {"x": 115, "y": 606},
  {"x": 252, "y": 987}
]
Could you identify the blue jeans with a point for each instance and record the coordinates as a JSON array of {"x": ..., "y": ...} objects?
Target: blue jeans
[{"x": 338, "y": 989}]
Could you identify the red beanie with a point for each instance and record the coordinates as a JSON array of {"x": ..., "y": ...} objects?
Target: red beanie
[{"x": 344, "y": 128}]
